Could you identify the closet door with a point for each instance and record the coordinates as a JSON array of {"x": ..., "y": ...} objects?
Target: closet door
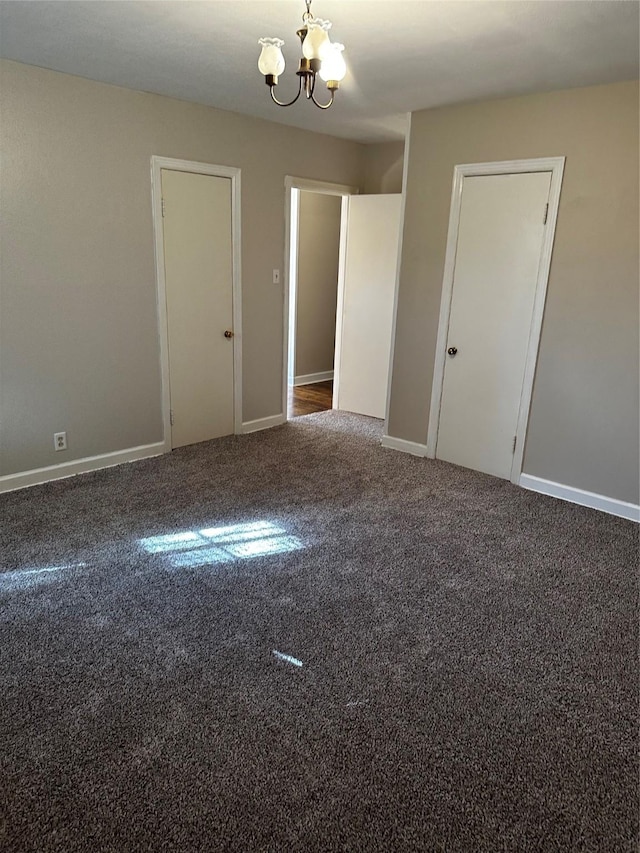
[
  {"x": 500, "y": 237},
  {"x": 199, "y": 292}
]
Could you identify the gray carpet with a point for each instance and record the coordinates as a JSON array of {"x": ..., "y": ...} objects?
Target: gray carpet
[{"x": 297, "y": 641}]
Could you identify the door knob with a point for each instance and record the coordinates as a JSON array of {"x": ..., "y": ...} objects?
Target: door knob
[
  {"x": 228, "y": 333},
  {"x": 452, "y": 350}
]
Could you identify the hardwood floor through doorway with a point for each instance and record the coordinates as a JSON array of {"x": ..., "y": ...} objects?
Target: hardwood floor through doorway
[{"x": 307, "y": 399}]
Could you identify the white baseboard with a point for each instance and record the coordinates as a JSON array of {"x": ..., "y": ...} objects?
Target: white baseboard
[
  {"x": 310, "y": 378},
  {"x": 11, "y": 482},
  {"x": 581, "y": 497},
  {"x": 263, "y": 423},
  {"x": 405, "y": 446}
]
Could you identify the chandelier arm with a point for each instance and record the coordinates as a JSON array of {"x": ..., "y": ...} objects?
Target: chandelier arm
[
  {"x": 323, "y": 106},
  {"x": 280, "y": 103}
]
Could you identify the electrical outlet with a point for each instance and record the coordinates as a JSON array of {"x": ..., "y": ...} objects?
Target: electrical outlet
[
  {"x": 276, "y": 276},
  {"x": 60, "y": 440}
]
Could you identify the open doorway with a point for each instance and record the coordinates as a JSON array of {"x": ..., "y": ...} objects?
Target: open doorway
[{"x": 315, "y": 235}]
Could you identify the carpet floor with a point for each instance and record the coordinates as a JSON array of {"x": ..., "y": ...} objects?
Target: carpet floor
[{"x": 297, "y": 640}]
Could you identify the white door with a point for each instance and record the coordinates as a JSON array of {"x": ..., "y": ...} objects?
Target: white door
[
  {"x": 363, "y": 344},
  {"x": 199, "y": 289},
  {"x": 498, "y": 254}
]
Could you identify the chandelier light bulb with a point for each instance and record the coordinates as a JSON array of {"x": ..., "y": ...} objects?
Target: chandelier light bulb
[
  {"x": 316, "y": 43},
  {"x": 333, "y": 65},
  {"x": 271, "y": 60}
]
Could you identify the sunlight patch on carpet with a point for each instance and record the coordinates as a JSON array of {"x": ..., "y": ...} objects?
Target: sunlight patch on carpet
[
  {"x": 31, "y": 576},
  {"x": 287, "y": 658},
  {"x": 213, "y": 545}
]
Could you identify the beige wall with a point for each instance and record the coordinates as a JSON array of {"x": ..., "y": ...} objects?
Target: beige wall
[
  {"x": 383, "y": 163},
  {"x": 583, "y": 428},
  {"x": 79, "y": 332},
  {"x": 78, "y": 335},
  {"x": 318, "y": 251}
]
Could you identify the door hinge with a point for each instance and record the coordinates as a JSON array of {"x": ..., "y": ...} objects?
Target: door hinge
[
  {"x": 515, "y": 439},
  {"x": 544, "y": 221},
  {"x": 171, "y": 419},
  {"x": 163, "y": 209}
]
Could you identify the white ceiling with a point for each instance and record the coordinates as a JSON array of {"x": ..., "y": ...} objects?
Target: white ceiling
[{"x": 403, "y": 55}]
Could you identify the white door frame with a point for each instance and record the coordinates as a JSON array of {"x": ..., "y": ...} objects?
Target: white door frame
[
  {"x": 290, "y": 266},
  {"x": 555, "y": 165},
  {"x": 157, "y": 164}
]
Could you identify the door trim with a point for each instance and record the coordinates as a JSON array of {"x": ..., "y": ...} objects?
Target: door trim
[
  {"x": 157, "y": 164},
  {"x": 293, "y": 183},
  {"x": 555, "y": 165}
]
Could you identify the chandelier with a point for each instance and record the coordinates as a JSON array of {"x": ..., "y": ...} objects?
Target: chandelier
[{"x": 320, "y": 57}]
